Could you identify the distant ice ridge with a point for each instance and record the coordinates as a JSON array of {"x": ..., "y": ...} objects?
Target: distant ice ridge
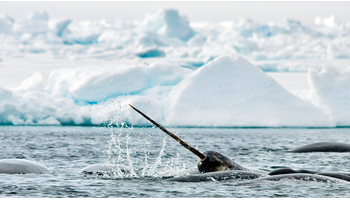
[
  {"x": 38, "y": 23},
  {"x": 227, "y": 92},
  {"x": 6, "y": 24},
  {"x": 286, "y": 45},
  {"x": 168, "y": 23},
  {"x": 329, "y": 21}
]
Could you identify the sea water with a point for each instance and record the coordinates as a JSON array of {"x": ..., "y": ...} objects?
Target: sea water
[{"x": 153, "y": 157}]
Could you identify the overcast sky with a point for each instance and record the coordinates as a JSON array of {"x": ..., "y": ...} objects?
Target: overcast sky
[{"x": 195, "y": 11}]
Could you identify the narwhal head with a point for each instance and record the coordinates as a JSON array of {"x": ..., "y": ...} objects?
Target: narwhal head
[
  {"x": 215, "y": 161},
  {"x": 210, "y": 161}
]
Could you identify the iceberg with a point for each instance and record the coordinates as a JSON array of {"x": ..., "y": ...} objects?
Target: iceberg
[
  {"x": 230, "y": 92},
  {"x": 168, "y": 23},
  {"x": 196, "y": 41},
  {"x": 85, "y": 72},
  {"x": 89, "y": 96},
  {"x": 287, "y": 45},
  {"x": 33, "y": 83},
  {"x": 37, "y": 23},
  {"x": 328, "y": 22},
  {"x": 149, "y": 53},
  {"x": 330, "y": 92},
  {"x": 5, "y": 94},
  {"x": 149, "y": 39},
  {"x": 98, "y": 84},
  {"x": 59, "y": 27},
  {"x": 6, "y": 24},
  {"x": 226, "y": 92}
]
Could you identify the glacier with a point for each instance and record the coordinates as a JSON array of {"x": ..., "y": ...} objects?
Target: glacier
[{"x": 180, "y": 73}]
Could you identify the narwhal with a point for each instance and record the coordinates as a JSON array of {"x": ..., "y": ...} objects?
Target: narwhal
[
  {"x": 323, "y": 147},
  {"x": 21, "y": 166},
  {"x": 216, "y": 167},
  {"x": 212, "y": 165},
  {"x": 209, "y": 161}
]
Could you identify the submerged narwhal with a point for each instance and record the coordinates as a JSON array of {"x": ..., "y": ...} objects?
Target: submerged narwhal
[{"x": 209, "y": 161}]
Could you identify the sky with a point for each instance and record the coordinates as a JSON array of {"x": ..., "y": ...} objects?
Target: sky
[{"x": 260, "y": 11}]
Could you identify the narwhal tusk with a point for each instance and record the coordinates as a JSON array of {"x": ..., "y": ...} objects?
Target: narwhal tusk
[{"x": 193, "y": 150}]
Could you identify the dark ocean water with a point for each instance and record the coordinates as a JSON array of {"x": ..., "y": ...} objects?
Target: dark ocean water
[{"x": 154, "y": 157}]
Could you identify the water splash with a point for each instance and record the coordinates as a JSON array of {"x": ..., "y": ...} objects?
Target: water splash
[
  {"x": 128, "y": 157},
  {"x": 126, "y": 161},
  {"x": 151, "y": 171}
]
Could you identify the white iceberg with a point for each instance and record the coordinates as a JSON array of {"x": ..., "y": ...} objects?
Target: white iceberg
[
  {"x": 59, "y": 27},
  {"x": 99, "y": 84},
  {"x": 37, "y": 23},
  {"x": 90, "y": 85},
  {"x": 6, "y": 24},
  {"x": 328, "y": 21},
  {"x": 232, "y": 92},
  {"x": 330, "y": 91},
  {"x": 5, "y": 94},
  {"x": 227, "y": 92},
  {"x": 168, "y": 23}
]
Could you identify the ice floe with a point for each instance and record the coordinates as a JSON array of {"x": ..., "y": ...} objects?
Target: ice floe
[
  {"x": 227, "y": 92},
  {"x": 181, "y": 73},
  {"x": 286, "y": 45}
]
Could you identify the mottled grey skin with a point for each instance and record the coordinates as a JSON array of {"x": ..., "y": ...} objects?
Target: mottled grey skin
[
  {"x": 219, "y": 176},
  {"x": 215, "y": 161},
  {"x": 297, "y": 176},
  {"x": 338, "y": 175},
  {"x": 323, "y": 147},
  {"x": 105, "y": 169},
  {"x": 21, "y": 166},
  {"x": 276, "y": 175}
]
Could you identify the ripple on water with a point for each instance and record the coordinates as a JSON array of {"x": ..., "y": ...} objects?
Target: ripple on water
[{"x": 66, "y": 150}]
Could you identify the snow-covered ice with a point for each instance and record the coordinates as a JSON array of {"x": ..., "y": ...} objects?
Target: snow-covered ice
[
  {"x": 91, "y": 85},
  {"x": 233, "y": 92},
  {"x": 181, "y": 73},
  {"x": 5, "y": 24},
  {"x": 287, "y": 45},
  {"x": 227, "y": 92},
  {"x": 168, "y": 23},
  {"x": 330, "y": 90}
]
